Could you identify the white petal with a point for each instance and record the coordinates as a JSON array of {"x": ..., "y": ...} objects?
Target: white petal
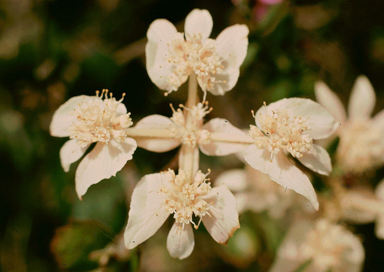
[
  {"x": 198, "y": 22},
  {"x": 235, "y": 180},
  {"x": 156, "y": 145},
  {"x": 362, "y": 100},
  {"x": 146, "y": 214},
  {"x": 282, "y": 171},
  {"x": 378, "y": 121},
  {"x": 104, "y": 161},
  {"x": 330, "y": 101},
  {"x": 222, "y": 149},
  {"x": 160, "y": 33},
  {"x": 224, "y": 82},
  {"x": 63, "y": 118},
  {"x": 180, "y": 241},
  {"x": 232, "y": 45},
  {"x": 379, "y": 191},
  {"x": 317, "y": 160},
  {"x": 71, "y": 152},
  {"x": 320, "y": 122},
  {"x": 224, "y": 219}
]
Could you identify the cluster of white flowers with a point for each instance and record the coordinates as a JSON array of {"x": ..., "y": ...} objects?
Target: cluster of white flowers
[{"x": 285, "y": 131}]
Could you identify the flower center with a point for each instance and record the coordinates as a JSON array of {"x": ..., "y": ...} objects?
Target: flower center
[
  {"x": 325, "y": 244},
  {"x": 184, "y": 197},
  {"x": 98, "y": 120},
  {"x": 192, "y": 55},
  {"x": 191, "y": 134},
  {"x": 281, "y": 131},
  {"x": 361, "y": 146}
]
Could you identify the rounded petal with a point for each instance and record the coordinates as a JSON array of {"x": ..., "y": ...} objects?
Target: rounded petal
[
  {"x": 104, "y": 161},
  {"x": 71, "y": 152},
  {"x": 362, "y": 100},
  {"x": 222, "y": 148},
  {"x": 160, "y": 33},
  {"x": 146, "y": 214},
  {"x": 320, "y": 122},
  {"x": 156, "y": 144},
  {"x": 282, "y": 171},
  {"x": 224, "y": 82},
  {"x": 224, "y": 219},
  {"x": 317, "y": 160},
  {"x": 180, "y": 241},
  {"x": 330, "y": 101},
  {"x": 62, "y": 119},
  {"x": 198, "y": 22},
  {"x": 235, "y": 180},
  {"x": 232, "y": 45}
]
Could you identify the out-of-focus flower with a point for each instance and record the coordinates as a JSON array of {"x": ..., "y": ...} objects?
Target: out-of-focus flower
[
  {"x": 326, "y": 245},
  {"x": 362, "y": 206},
  {"x": 361, "y": 144},
  {"x": 87, "y": 120},
  {"x": 290, "y": 126},
  {"x": 192, "y": 134},
  {"x": 256, "y": 192},
  {"x": 157, "y": 196},
  {"x": 171, "y": 57}
]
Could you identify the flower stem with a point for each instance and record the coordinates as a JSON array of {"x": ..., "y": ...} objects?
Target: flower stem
[{"x": 187, "y": 160}]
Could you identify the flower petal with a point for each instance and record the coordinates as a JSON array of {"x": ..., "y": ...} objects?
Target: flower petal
[
  {"x": 146, "y": 214},
  {"x": 362, "y": 100},
  {"x": 71, "y": 152},
  {"x": 224, "y": 82},
  {"x": 317, "y": 160},
  {"x": 198, "y": 22},
  {"x": 235, "y": 180},
  {"x": 330, "y": 101},
  {"x": 222, "y": 148},
  {"x": 180, "y": 241},
  {"x": 320, "y": 122},
  {"x": 282, "y": 171},
  {"x": 160, "y": 33},
  {"x": 224, "y": 219},
  {"x": 232, "y": 45},
  {"x": 104, "y": 161},
  {"x": 63, "y": 118},
  {"x": 156, "y": 144},
  {"x": 378, "y": 121}
]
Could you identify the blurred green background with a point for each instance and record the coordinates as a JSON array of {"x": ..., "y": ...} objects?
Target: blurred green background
[{"x": 51, "y": 50}]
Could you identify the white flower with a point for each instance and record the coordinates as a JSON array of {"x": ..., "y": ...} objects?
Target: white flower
[
  {"x": 87, "y": 120},
  {"x": 290, "y": 126},
  {"x": 192, "y": 134},
  {"x": 172, "y": 57},
  {"x": 361, "y": 145},
  {"x": 362, "y": 205},
  {"x": 330, "y": 247},
  {"x": 157, "y": 196}
]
